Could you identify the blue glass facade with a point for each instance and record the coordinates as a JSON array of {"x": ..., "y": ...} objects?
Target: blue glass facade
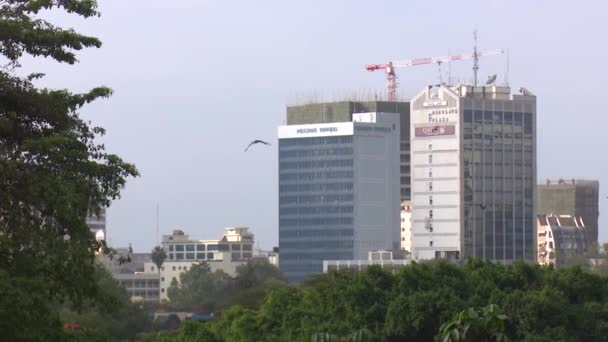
[
  {"x": 499, "y": 180},
  {"x": 315, "y": 203}
]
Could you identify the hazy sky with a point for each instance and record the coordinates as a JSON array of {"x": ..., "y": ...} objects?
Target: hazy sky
[{"x": 196, "y": 80}]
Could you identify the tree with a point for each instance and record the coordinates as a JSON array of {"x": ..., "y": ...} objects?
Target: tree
[
  {"x": 481, "y": 324},
  {"x": 158, "y": 257},
  {"x": 52, "y": 175},
  {"x": 200, "y": 289}
]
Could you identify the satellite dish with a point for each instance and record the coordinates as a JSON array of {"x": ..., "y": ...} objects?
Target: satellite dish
[{"x": 491, "y": 79}]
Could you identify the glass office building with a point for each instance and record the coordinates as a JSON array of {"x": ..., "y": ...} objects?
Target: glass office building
[
  {"x": 475, "y": 173},
  {"x": 338, "y": 191}
]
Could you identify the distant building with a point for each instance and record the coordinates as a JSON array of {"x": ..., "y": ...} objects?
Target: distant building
[
  {"x": 232, "y": 250},
  {"x": 140, "y": 286},
  {"x": 338, "y": 191},
  {"x": 97, "y": 224},
  {"x": 342, "y": 111},
  {"x": 473, "y": 173},
  {"x": 388, "y": 260},
  {"x": 560, "y": 238},
  {"x": 406, "y": 226},
  {"x": 237, "y": 241},
  {"x": 572, "y": 197}
]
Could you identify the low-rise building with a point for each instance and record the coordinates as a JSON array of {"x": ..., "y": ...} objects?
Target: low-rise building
[
  {"x": 140, "y": 286},
  {"x": 229, "y": 252},
  {"x": 388, "y": 260},
  {"x": 560, "y": 238}
]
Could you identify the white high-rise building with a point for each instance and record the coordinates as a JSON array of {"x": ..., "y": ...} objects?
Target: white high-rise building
[{"x": 473, "y": 173}]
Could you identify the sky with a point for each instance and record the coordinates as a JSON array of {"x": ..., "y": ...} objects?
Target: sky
[{"x": 195, "y": 81}]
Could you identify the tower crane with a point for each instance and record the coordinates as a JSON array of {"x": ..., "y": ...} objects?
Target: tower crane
[{"x": 391, "y": 77}]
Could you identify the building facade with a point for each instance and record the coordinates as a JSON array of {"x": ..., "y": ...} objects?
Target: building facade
[
  {"x": 560, "y": 238},
  {"x": 406, "y": 226},
  {"x": 97, "y": 224},
  {"x": 572, "y": 197},
  {"x": 140, "y": 286},
  {"x": 237, "y": 242},
  {"x": 339, "y": 191},
  {"x": 473, "y": 173},
  {"x": 342, "y": 111},
  {"x": 388, "y": 260},
  {"x": 229, "y": 252}
]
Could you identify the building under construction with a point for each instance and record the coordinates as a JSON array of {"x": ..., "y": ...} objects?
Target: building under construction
[{"x": 572, "y": 197}]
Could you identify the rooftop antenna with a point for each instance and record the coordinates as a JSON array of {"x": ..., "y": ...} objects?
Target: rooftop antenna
[
  {"x": 157, "y": 215},
  {"x": 449, "y": 69},
  {"x": 475, "y": 59},
  {"x": 507, "y": 72}
]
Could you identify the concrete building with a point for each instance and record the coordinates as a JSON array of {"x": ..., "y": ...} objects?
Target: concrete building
[
  {"x": 473, "y": 173},
  {"x": 338, "y": 191},
  {"x": 386, "y": 259},
  {"x": 406, "y": 226},
  {"x": 229, "y": 252},
  {"x": 140, "y": 286},
  {"x": 342, "y": 111},
  {"x": 97, "y": 225},
  {"x": 237, "y": 241},
  {"x": 170, "y": 271},
  {"x": 572, "y": 197},
  {"x": 560, "y": 238}
]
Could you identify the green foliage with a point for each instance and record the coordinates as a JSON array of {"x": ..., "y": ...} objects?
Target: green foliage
[
  {"x": 483, "y": 324},
  {"x": 112, "y": 318},
  {"x": 200, "y": 289},
  {"x": 52, "y": 175},
  {"x": 424, "y": 302}
]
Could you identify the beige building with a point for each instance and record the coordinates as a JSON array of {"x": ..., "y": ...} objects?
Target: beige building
[
  {"x": 559, "y": 238},
  {"x": 406, "y": 226},
  {"x": 232, "y": 250}
]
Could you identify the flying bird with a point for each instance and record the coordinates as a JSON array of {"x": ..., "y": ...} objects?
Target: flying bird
[
  {"x": 483, "y": 206},
  {"x": 256, "y": 142}
]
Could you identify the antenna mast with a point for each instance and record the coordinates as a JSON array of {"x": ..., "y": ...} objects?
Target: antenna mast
[
  {"x": 157, "y": 212},
  {"x": 475, "y": 59}
]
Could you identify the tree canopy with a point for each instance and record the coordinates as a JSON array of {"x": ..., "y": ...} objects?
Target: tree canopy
[
  {"x": 53, "y": 174},
  {"x": 424, "y": 302}
]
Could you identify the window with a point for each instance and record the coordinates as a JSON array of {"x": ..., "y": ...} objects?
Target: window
[
  {"x": 190, "y": 256},
  {"x": 430, "y": 173},
  {"x": 179, "y": 268},
  {"x": 200, "y": 247},
  {"x": 246, "y": 247},
  {"x": 152, "y": 268},
  {"x": 430, "y": 146},
  {"x": 236, "y": 247},
  {"x": 162, "y": 268},
  {"x": 162, "y": 279},
  {"x": 210, "y": 256},
  {"x": 170, "y": 256},
  {"x": 174, "y": 268},
  {"x": 431, "y": 213},
  {"x": 200, "y": 256},
  {"x": 430, "y": 159},
  {"x": 185, "y": 268},
  {"x": 212, "y": 247},
  {"x": 179, "y": 256},
  {"x": 179, "y": 248},
  {"x": 224, "y": 247},
  {"x": 431, "y": 243},
  {"x": 430, "y": 186},
  {"x": 170, "y": 248},
  {"x": 430, "y": 200},
  {"x": 189, "y": 248}
]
